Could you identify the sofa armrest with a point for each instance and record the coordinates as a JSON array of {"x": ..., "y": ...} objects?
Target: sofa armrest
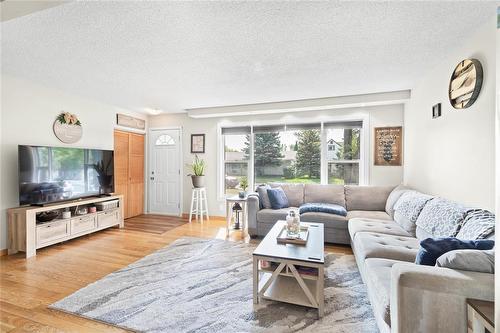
[
  {"x": 252, "y": 209},
  {"x": 432, "y": 299}
]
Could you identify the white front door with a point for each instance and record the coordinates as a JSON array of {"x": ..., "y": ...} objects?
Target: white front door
[{"x": 165, "y": 172}]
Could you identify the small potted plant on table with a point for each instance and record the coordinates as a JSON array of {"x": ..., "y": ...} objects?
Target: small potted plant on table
[{"x": 244, "y": 186}]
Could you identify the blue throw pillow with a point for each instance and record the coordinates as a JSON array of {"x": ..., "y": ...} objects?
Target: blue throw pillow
[
  {"x": 277, "y": 197},
  {"x": 432, "y": 248},
  {"x": 323, "y": 208}
]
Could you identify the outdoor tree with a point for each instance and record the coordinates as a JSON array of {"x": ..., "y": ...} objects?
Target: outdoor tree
[
  {"x": 308, "y": 161},
  {"x": 267, "y": 150},
  {"x": 349, "y": 151}
]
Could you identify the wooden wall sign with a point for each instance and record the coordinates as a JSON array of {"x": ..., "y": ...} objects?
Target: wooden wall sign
[
  {"x": 67, "y": 128},
  {"x": 388, "y": 146},
  {"x": 128, "y": 121},
  {"x": 465, "y": 83}
]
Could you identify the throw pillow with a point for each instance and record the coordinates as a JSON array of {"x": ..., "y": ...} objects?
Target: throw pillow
[
  {"x": 469, "y": 260},
  {"x": 432, "y": 248},
  {"x": 323, "y": 208},
  {"x": 478, "y": 224},
  {"x": 263, "y": 196},
  {"x": 278, "y": 198},
  {"x": 394, "y": 197},
  {"x": 441, "y": 217},
  {"x": 408, "y": 208}
]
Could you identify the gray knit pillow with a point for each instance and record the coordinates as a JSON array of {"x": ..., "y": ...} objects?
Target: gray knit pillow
[{"x": 263, "y": 196}]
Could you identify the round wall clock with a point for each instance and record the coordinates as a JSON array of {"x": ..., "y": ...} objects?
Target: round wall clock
[
  {"x": 465, "y": 83},
  {"x": 68, "y": 128}
]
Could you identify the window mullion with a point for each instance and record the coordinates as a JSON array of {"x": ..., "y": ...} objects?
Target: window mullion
[{"x": 324, "y": 161}]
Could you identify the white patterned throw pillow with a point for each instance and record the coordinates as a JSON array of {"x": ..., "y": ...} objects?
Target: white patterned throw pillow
[
  {"x": 410, "y": 204},
  {"x": 441, "y": 217},
  {"x": 478, "y": 224}
]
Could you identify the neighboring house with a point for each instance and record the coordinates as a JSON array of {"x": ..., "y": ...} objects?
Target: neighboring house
[{"x": 332, "y": 149}]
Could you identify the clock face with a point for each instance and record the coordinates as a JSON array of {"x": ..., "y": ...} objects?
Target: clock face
[{"x": 465, "y": 83}]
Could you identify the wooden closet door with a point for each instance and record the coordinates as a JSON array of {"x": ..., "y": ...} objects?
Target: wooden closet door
[
  {"x": 121, "y": 157},
  {"x": 136, "y": 175}
]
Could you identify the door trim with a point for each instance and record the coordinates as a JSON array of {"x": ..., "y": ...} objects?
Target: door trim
[{"x": 181, "y": 182}]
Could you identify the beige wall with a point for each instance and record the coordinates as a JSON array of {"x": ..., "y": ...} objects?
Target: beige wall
[
  {"x": 454, "y": 156},
  {"x": 28, "y": 112},
  {"x": 390, "y": 115}
]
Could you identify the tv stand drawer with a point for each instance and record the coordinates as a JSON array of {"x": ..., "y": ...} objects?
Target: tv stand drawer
[
  {"x": 49, "y": 233},
  {"x": 83, "y": 224},
  {"x": 108, "y": 218}
]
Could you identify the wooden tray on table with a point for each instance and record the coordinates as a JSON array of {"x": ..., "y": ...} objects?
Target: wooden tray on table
[{"x": 300, "y": 240}]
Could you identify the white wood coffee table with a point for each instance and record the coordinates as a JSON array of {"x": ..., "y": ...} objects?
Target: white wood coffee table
[{"x": 287, "y": 281}]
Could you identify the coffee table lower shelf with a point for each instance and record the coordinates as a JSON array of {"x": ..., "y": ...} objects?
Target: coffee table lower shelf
[
  {"x": 285, "y": 284},
  {"x": 287, "y": 289}
]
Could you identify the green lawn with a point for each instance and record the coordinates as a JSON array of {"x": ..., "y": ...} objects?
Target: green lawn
[{"x": 280, "y": 179}]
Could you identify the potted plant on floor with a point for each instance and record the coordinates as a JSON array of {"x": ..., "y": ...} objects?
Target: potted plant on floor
[{"x": 198, "y": 175}]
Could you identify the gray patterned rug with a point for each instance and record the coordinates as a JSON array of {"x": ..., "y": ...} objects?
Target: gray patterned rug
[{"x": 199, "y": 285}]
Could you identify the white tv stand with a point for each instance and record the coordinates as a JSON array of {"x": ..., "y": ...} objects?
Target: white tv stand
[{"x": 27, "y": 235}]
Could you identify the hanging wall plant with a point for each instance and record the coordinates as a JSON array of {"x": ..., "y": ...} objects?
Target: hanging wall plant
[{"x": 68, "y": 128}]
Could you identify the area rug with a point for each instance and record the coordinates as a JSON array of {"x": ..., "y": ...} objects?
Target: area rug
[{"x": 199, "y": 285}]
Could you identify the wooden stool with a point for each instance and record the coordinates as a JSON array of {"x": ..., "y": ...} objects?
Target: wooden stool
[{"x": 199, "y": 205}]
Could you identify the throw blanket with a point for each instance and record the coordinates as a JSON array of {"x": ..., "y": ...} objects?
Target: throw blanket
[{"x": 323, "y": 208}]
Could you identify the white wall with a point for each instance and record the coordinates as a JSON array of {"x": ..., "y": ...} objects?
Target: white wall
[
  {"x": 390, "y": 115},
  {"x": 454, "y": 156},
  {"x": 497, "y": 265},
  {"x": 28, "y": 112}
]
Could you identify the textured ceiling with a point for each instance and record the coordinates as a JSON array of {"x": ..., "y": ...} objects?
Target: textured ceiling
[{"x": 178, "y": 55}]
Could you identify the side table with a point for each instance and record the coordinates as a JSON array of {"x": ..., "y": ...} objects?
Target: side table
[
  {"x": 480, "y": 316},
  {"x": 230, "y": 201}
]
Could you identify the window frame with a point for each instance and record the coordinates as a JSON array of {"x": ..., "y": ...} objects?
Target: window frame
[{"x": 364, "y": 160}]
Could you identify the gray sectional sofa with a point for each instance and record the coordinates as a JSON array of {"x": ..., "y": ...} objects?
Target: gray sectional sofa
[
  {"x": 359, "y": 201},
  {"x": 405, "y": 297}
]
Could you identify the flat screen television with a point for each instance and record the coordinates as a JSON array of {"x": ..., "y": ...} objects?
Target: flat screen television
[{"x": 51, "y": 174}]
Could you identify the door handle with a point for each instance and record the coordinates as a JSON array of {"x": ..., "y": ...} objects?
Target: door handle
[{"x": 152, "y": 178}]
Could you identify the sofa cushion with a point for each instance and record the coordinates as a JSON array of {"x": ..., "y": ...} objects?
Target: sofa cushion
[
  {"x": 377, "y": 226},
  {"x": 278, "y": 198},
  {"x": 422, "y": 234},
  {"x": 378, "y": 280},
  {"x": 263, "y": 196},
  {"x": 408, "y": 208},
  {"x": 322, "y": 208},
  {"x": 333, "y": 194},
  {"x": 272, "y": 215},
  {"x": 469, "y": 260},
  {"x": 367, "y": 197},
  {"x": 432, "y": 248},
  {"x": 394, "y": 197},
  {"x": 367, "y": 214},
  {"x": 441, "y": 217},
  {"x": 374, "y": 245},
  {"x": 405, "y": 223},
  {"x": 329, "y": 220},
  {"x": 294, "y": 193},
  {"x": 478, "y": 224}
]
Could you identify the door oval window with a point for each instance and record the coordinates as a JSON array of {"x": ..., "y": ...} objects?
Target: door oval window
[{"x": 165, "y": 140}]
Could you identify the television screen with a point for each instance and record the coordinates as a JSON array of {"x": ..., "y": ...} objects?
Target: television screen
[{"x": 50, "y": 174}]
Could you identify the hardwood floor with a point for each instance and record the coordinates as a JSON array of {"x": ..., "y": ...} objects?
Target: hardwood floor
[
  {"x": 156, "y": 224},
  {"x": 28, "y": 286}
]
